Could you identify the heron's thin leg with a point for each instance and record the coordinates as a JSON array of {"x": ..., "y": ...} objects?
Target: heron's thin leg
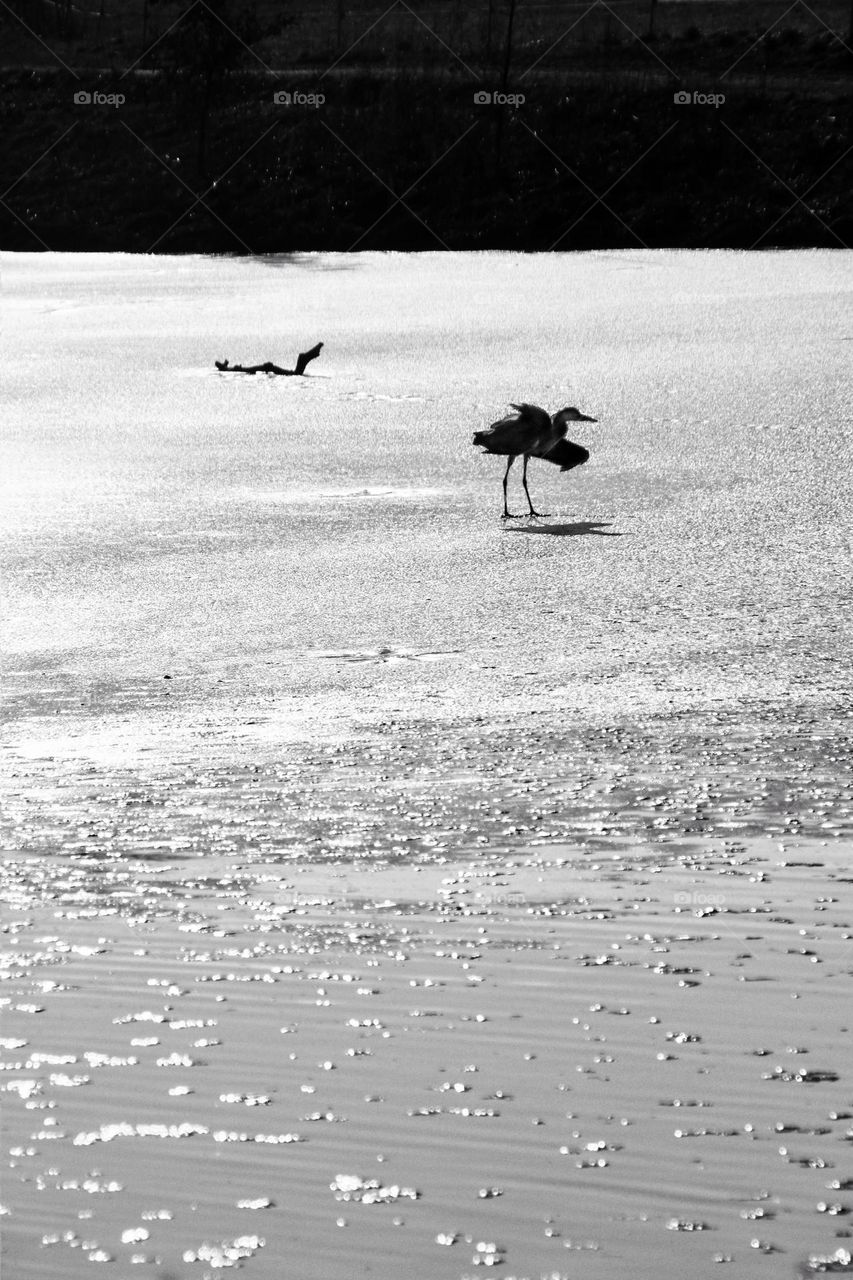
[
  {"x": 508, "y": 515},
  {"x": 527, "y": 491}
]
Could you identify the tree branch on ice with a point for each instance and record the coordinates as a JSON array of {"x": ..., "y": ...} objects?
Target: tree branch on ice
[{"x": 304, "y": 358}]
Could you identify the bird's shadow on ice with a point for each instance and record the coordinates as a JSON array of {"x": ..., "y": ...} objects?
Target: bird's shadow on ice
[{"x": 567, "y": 530}]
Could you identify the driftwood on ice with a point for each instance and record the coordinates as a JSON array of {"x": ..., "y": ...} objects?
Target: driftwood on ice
[{"x": 304, "y": 358}]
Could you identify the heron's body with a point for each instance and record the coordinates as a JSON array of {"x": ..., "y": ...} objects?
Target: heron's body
[{"x": 532, "y": 433}]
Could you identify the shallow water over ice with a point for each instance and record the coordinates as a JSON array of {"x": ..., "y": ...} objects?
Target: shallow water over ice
[{"x": 558, "y": 1062}]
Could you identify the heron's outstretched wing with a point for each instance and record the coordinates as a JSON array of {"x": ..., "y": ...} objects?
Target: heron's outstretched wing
[
  {"x": 530, "y": 415},
  {"x": 527, "y": 430},
  {"x": 565, "y": 454},
  {"x": 305, "y": 357}
]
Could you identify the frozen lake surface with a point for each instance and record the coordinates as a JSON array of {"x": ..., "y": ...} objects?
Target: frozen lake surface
[
  {"x": 223, "y": 568},
  {"x": 279, "y": 676}
]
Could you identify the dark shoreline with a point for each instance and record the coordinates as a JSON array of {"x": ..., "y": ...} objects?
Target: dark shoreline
[{"x": 591, "y": 159}]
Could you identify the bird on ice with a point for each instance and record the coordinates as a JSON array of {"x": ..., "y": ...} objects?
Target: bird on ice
[{"x": 532, "y": 433}]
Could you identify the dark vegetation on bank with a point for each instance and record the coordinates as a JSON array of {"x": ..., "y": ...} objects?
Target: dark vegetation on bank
[{"x": 398, "y": 154}]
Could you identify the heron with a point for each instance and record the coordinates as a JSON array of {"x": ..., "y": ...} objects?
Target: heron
[{"x": 532, "y": 433}]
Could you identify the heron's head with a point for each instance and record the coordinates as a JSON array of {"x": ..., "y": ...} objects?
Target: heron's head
[{"x": 574, "y": 415}]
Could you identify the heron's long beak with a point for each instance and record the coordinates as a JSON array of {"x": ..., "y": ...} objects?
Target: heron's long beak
[{"x": 584, "y": 418}]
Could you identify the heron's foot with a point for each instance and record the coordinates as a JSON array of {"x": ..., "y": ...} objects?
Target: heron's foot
[
  {"x": 540, "y": 515},
  {"x": 511, "y": 515}
]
